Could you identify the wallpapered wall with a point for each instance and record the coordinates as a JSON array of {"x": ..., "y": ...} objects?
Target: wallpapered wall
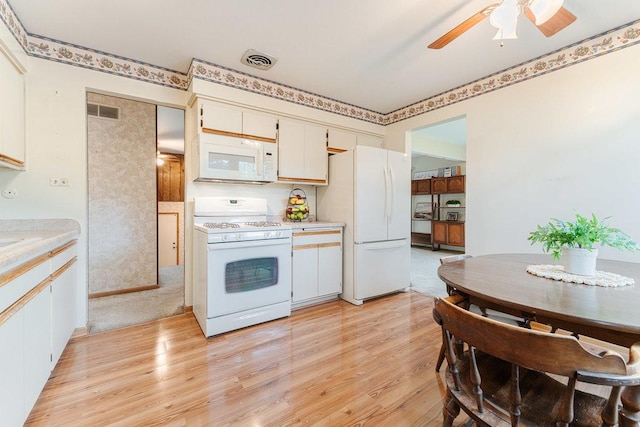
[{"x": 122, "y": 196}]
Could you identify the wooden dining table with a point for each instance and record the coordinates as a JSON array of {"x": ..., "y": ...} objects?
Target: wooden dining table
[{"x": 501, "y": 282}]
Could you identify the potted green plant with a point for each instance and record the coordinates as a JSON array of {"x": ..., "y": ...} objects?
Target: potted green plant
[{"x": 576, "y": 240}]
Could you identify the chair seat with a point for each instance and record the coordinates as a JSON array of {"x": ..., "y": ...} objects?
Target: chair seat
[{"x": 541, "y": 395}]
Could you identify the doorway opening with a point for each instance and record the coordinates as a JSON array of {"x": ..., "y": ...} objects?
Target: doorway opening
[
  {"x": 126, "y": 284},
  {"x": 438, "y": 200}
]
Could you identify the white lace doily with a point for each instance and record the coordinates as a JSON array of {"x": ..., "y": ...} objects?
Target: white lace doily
[{"x": 601, "y": 278}]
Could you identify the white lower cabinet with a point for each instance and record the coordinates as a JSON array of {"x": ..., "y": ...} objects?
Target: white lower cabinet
[
  {"x": 63, "y": 308},
  {"x": 316, "y": 265},
  {"x": 12, "y": 365},
  {"x": 37, "y": 345},
  {"x": 36, "y": 322}
]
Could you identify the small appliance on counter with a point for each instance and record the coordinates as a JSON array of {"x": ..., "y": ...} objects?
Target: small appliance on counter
[{"x": 297, "y": 206}]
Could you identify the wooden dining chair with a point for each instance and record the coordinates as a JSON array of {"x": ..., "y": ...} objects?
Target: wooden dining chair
[
  {"x": 496, "y": 315},
  {"x": 503, "y": 378}
]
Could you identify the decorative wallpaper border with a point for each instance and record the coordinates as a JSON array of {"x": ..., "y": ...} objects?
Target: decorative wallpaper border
[
  {"x": 601, "y": 44},
  {"x": 217, "y": 74},
  {"x": 43, "y": 47},
  {"x": 55, "y": 50}
]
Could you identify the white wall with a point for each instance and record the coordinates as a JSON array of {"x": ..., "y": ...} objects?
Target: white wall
[
  {"x": 541, "y": 148},
  {"x": 57, "y": 147}
]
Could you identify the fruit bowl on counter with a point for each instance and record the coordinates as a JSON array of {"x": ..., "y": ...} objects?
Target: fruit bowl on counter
[{"x": 297, "y": 207}]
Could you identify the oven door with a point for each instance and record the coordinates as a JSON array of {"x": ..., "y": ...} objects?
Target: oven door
[
  {"x": 227, "y": 158},
  {"x": 247, "y": 275}
]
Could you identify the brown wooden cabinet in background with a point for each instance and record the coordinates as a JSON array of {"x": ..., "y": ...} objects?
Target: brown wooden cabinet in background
[
  {"x": 421, "y": 186},
  {"x": 448, "y": 233},
  {"x": 450, "y": 184},
  {"x": 171, "y": 178}
]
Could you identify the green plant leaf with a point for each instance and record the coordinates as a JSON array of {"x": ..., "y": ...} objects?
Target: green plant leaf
[{"x": 582, "y": 233}]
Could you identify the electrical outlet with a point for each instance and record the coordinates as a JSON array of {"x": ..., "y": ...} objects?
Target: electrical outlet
[
  {"x": 9, "y": 193},
  {"x": 54, "y": 181},
  {"x": 64, "y": 182}
]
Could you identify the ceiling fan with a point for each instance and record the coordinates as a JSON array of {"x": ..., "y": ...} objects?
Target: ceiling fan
[{"x": 548, "y": 15}]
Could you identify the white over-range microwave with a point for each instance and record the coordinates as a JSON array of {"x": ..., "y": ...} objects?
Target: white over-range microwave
[{"x": 224, "y": 158}]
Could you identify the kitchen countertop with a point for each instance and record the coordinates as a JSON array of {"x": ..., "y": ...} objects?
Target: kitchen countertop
[
  {"x": 34, "y": 237},
  {"x": 315, "y": 224}
]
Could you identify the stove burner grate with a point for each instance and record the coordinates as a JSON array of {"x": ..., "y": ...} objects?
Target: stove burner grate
[
  {"x": 262, "y": 224},
  {"x": 220, "y": 225}
]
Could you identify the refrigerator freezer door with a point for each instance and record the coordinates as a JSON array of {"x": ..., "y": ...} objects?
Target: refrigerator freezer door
[
  {"x": 381, "y": 268},
  {"x": 399, "y": 221},
  {"x": 371, "y": 194}
]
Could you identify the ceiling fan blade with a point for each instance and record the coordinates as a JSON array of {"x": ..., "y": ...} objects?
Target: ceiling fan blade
[
  {"x": 462, "y": 28},
  {"x": 558, "y": 22}
]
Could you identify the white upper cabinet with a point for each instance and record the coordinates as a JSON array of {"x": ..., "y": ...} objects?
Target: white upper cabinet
[
  {"x": 340, "y": 140},
  {"x": 260, "y": 125},
  {"x": 302, "y": 152},
  {"x": 12, "y": 112},
  {"x": 235, "y": 121},
  {"x": 220, "y": 117},
  {"x": 369, "y": 140}
]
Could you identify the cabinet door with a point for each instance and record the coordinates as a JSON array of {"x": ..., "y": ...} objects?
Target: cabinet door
[
  {"x": 259, "y": 125},
  {"x": 304, "y": 268},
  {"x": 439, "y": 232},
  {"x": 291, "y": 149},
  {"x": 340, "y": 140},
  {"x": 455, "y": 184},
  {"x": 329, "y": 268},
  {"x": 12, "y": 367},
  {"x": 423, "y": 186},
  {"x": 63, "y": 309},
  {"x": 455, "y": 234},
  {"x": 219, "y": 117},
  {"x": 438, "y": 185},
  {"x": 37, "y": 346},
  {"x": 371, "y": 141},
  {"x": 12, "y": 113},
  {"x": 316, "y": 161}
]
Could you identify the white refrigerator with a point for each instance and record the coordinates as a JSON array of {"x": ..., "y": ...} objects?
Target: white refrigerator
[{"x": 370, "y": 192}]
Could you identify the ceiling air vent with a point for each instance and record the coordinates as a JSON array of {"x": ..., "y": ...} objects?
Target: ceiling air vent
[
  {"x": 259, "y": 60},
  {"x": 103, "y": 111}
]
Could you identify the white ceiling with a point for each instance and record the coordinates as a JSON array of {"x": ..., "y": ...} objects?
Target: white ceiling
[{"x": 369, "y": 53}]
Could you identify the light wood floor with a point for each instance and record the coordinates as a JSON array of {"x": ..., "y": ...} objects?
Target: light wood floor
[{"x": 330, "y": 365}]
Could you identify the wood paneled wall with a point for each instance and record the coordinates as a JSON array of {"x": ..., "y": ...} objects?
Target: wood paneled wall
[{"x": 171, "y": 178}]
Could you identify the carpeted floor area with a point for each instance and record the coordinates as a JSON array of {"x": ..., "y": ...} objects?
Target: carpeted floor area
[
  {"x": 138, "y": 307},
  {"x": 424, "y": 271}
]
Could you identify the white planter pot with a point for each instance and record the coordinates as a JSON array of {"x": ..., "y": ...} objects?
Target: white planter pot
[{"x": 579, "y": 261}]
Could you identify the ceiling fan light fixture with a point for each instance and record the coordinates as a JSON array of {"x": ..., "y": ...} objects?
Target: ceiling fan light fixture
[
  {"x": 506, "y": 34},
  {"x": 506, "y": 14},
  {"x": 544, "y": 10}
]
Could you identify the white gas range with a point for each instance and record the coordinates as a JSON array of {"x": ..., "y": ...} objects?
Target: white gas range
[{"x": 242, "y": 264}]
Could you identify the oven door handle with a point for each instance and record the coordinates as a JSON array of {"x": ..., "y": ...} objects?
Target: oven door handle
[{"x": 248, "y": 244}]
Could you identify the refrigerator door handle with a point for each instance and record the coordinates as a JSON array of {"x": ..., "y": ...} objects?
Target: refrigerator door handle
[
  {"x": 392, "y": 187},
  {"x": 386, "y": 194}
]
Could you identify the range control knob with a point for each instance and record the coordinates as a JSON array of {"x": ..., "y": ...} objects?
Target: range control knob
[
  {"x": 267, "y": 234},
  {"x": 239, "y": 236}
]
